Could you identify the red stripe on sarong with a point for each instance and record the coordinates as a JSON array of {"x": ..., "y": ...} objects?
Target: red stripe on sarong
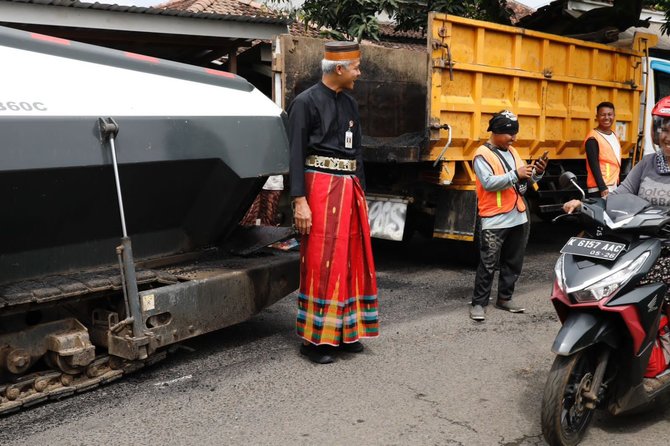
[{"x": 338, "y": 288}]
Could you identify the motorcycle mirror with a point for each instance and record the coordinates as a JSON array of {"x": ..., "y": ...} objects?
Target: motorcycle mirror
[
  {"x": 568, "y": 178},
  {"x": 565, "y": 180}
]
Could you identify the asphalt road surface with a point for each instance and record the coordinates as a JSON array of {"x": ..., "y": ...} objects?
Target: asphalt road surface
[{"x": 434, "y": 377}]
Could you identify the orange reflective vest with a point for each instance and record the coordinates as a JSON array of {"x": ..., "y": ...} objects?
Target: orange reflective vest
[
  {"x": 492, "y": 203},
  {"x": 610, "y": 165}
]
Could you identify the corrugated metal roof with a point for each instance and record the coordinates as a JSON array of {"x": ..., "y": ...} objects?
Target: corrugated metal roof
[{"x": 231, "y": 10}]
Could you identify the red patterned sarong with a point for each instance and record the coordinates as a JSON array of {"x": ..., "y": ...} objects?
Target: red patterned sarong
[{"x": 338, "y": 287}]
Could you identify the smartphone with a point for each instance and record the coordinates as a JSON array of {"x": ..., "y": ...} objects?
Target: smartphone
[{"x": 544, "y": 157}]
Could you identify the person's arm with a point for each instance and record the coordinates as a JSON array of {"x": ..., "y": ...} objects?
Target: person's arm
[
  {"x": 593, "y": 158},
  {"x": 539, "y": 166},
  {"x": 298, "y": 137},
  {"x": 572, "y": 206},
  {"x": 358, "y": 137},
  {"x": 302, "y": 215},
  {"x": 491, "y": 182}
]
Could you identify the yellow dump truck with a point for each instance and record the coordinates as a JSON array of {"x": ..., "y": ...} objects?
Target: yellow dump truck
[{"x": 425, "y": 111}]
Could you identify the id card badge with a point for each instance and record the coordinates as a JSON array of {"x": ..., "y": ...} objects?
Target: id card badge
[{"x": 349, "y": 137}]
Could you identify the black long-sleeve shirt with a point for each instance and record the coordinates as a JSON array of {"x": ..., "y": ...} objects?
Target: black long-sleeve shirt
[
  {"x": 318, "y": 119},
  {"x": 593, "y": 158}
]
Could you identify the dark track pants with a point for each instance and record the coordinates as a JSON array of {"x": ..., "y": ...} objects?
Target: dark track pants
[{"x": 503, "y": 247}]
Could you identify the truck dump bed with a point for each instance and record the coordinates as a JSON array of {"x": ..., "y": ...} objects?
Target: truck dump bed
[{"x": 552, "y": 83}]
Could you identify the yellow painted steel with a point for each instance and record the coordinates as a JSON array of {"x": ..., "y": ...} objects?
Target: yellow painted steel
[
  {"x": 552, "y": 83},
  {"x": 446, "y": 235}
]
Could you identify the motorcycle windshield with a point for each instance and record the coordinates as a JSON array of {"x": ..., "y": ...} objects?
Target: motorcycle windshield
[{"x": 621, "y": 206}]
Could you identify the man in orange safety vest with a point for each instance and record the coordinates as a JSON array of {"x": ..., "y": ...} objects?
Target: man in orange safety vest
[
  {"x": 603, "y": 153},
  {"x": 502, "y": 179}
]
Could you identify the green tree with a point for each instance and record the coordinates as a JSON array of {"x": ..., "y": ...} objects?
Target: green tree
[
  {"x": 413, "y": 16},
  {"x": 661, "y": 5},
  {"x": 358, "y": 19}
]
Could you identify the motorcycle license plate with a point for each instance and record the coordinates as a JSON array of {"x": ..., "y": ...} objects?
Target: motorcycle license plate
[{"x": 598, "y": 249}]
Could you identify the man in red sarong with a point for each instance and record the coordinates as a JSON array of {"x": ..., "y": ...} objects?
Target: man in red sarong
[{"x": 337, "y": 303}]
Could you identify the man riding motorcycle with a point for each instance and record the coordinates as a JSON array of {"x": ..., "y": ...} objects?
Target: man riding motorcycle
[{"x": 609, "y": 295}]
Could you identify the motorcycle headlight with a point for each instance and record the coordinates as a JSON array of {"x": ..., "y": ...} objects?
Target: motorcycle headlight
[
  {"x": 558, "y": 272},
  {"x": 609, "y": 285}
]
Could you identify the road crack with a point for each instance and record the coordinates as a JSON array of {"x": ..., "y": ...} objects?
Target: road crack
[{"x": 438, "y": 413}]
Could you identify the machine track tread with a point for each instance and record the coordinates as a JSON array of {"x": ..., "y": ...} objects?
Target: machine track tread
[{"x": 51, "y": 385}]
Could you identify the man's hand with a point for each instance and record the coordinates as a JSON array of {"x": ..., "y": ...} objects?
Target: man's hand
[
  {"x": 540, "y": 165},
  {"x": 571, "y": 206},
  {"x": 604, "y": 193},
  {"x": 524, "y": 172},
  {"x": 302, "y": 215}
]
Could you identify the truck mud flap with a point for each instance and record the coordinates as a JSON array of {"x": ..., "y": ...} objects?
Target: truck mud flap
[
  {"x": 456, "y": 214},
  {"x": 387, "y": 216},
  {"x": 581, "y": 330}
]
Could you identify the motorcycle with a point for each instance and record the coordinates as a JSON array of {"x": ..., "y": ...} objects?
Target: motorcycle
[{"x": 610, "y": 315}]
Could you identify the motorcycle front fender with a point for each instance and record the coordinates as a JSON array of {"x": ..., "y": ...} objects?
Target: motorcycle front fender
[{"x": 581, "y": 330}]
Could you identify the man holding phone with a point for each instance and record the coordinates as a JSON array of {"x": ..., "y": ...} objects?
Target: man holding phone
[{"x": 502, "y": 180}]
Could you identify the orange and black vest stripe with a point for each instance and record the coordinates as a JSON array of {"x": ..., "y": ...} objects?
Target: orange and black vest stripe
[
  {"x": 610, "y": 165},
  {"x": 491, "y": 203}
]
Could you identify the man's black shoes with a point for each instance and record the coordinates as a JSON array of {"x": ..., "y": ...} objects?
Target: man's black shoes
[
  {"x": 321, "y": 354},
  {"x": 316, "y": 353},
  {"x": 354, "y": 347}
]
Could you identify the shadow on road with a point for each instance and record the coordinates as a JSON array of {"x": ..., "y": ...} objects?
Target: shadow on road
[
  {"x": 631, "y": 423},
  {"x": 420, "y": 251}
]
